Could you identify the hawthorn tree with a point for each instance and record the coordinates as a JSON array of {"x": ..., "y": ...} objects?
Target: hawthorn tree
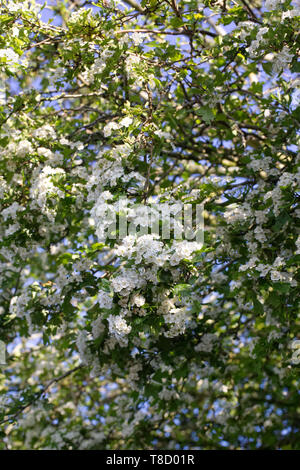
[{"x": 145, "y": 342}]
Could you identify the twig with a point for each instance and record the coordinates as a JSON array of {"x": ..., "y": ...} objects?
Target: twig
[{"x": 41, "y": 393}]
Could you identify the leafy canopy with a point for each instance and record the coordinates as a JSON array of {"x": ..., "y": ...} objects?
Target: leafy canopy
[{"x": 144, "y": 342}]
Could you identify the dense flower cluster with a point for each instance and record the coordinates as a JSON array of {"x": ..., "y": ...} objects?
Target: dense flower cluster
[{"x": 124, "y": 329}]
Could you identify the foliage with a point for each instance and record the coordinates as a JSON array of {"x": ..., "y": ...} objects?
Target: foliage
[{"x": 145, "y": 343}]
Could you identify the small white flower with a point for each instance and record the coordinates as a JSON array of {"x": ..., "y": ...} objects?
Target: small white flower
[
  {"x": 137, "y": 38},
  {"x": 104, "y": 299},
  {"x": 126, "y": 121},
  {"x": 138, "y": 300},
  {"x": 109, "y": 128}
]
